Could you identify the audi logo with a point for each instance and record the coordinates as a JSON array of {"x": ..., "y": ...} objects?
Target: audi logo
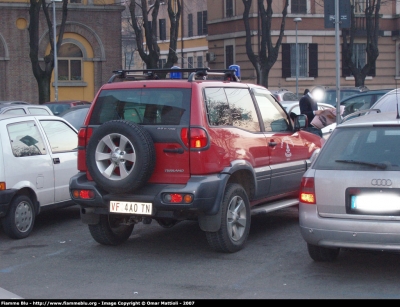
[{"x": 381, "y": 182}]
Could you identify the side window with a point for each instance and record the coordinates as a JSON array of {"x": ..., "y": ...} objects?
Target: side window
[
  {"x": 231, "y": 107},
  {"x": 274, "y": 117},
  {"x": 15, "y": 111},
  {"x": 25, "y": 139},
  {"x": 54, "y": 129},
  {"x": 38, "y": 111}
]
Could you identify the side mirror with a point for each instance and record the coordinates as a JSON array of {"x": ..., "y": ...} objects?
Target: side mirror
[{"x": 300, "y": 122}]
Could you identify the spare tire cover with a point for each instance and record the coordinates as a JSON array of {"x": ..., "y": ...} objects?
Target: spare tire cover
[{"x": 120, "y": 156}]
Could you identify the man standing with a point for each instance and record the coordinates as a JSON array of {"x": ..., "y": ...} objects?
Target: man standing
[{"x": 309, "y": 107}]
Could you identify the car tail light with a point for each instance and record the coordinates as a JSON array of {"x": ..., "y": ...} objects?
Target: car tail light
[
  {"x": 177, "y": 198},
  {"x": 83, "y": 194},
  {"x": 2, "y": 186},
  {"x": 194, "y": 138},
  {"x": 84, "y": 135},
  {"x": 307, "y": 191}
]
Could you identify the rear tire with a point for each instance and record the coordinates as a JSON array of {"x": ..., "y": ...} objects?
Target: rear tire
[
  {"x": 235, "y": 221},
  {"x": 322, "y": 254},
  {"x": 111, "y": 230},
  {"x": 18, "y": 223}
]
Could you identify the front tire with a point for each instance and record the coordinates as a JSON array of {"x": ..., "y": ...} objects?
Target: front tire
[
  {"x": 235, "y": 221},
  {"x": 322, "y": 254},
  {"x": 111, "y": 230},
  {"x": 18, "y": 223}
]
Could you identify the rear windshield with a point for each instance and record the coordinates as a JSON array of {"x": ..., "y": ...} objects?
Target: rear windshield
[
  {"x": 368, "y": 148},
  {"x": 143, "y": 106}
]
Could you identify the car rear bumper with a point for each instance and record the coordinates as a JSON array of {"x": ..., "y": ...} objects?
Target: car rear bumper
[
  {"x": 207, "y": 191},
  {"x": 5, "y": 200},
  {"x": 347, "y": 232}
]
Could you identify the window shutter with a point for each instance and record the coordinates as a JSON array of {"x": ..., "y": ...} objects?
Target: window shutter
[
  {"x": 286, "y": 70},
  {"x": 345, "y": 70},
  {"x": 199, "y": 23},
  {"x": 163, "y": 29},
  {"x": 313, "y": 60}
]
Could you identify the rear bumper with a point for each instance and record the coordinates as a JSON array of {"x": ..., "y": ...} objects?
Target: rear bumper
[
  {"x": 207, "y": 191},
  {"x": 347, "y": 232}
]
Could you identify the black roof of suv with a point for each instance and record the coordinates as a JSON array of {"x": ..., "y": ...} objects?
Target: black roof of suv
[{"x": 204, "y": 147}]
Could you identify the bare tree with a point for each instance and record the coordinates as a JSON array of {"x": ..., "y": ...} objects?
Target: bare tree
[
  {"x": 371, "y": 29},
  {"x": 267, "y": 53},
  {"x": 140, "y": 22},
  {"x": 43, "y": 75}
]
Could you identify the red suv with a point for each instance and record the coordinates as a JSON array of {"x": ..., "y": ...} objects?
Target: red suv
[{"x": 215, "y": 151}]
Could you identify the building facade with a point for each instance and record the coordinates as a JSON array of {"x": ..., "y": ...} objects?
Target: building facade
[
  {"x": 90, "y": 49},
  {"x": 316, "y": 44}
]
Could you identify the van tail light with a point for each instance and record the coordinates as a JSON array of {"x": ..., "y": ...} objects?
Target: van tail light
[
  {"x": 307, "y": 191},
  {"x": 194, "y": 138},
  {"x": 84, "y": 135}
]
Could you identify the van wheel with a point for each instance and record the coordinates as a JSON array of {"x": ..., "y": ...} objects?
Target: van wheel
[
  {"x": 18, "y": 223},
  {"x": 322, "y": 254},
  {"x": 111, "y": 230},
  {"x": 235, "y": 221},
  {"x": 120, "y": 156}
]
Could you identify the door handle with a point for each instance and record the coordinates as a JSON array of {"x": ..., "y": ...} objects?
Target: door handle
[
  {"x": 56, "y": 160},
  {"x": 272, "y": 144}
]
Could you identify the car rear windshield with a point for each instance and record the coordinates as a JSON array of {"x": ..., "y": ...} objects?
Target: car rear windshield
[
  {"x": 364, "y": 149},
  {"x": 143, "y": 106}
]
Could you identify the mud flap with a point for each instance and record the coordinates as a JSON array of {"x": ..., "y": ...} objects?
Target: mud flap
[{"x": 211, "y": 223}]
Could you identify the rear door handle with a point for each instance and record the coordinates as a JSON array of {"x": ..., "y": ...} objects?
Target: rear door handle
[{"x": 56, "y": 160}]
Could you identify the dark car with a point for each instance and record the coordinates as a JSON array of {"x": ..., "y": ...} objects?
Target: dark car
[
  {"x": 57, "y": 107},
  {"x": 330, "y": 93},
  {"x": 76, "y": 115},
  {"x": 362, "y": 101}
]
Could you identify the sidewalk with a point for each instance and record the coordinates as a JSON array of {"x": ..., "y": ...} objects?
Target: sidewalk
[{"x": 4, "y": 294}]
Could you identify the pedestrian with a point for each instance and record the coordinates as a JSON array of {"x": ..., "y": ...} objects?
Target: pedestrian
[{"x": 309, "y": 107}]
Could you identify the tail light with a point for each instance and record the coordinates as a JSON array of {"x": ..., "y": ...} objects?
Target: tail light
[
  {"x": 194, "y": 138},
  {"x": 84, "y": 135},
  {"x": 307, "y": 191}
]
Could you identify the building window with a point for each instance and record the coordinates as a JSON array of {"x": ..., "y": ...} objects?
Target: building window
[
  {"x": 308, "y": 60},
  {"x": 359, "y": 58},
  {"x": 302, "y": 60},
  {"x": 229, "y": 60},
  {"x": 70, "y": 63},
  {"x": 298, "y": 6},
  {"x": 200, "y": 61},
  {"x": 161, "y": 63},
  {"x": 129, "y": 60},
  {"x": 163, "y": 29},
  {"x": 229, "y": 12},
  {"x": 190, "y": 25},
  {"x": 190, "y": 62},
  {"x": 202, "y": 23},
  {"x": 359, "y": 6}
]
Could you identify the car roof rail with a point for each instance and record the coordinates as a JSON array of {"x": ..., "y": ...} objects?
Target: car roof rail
[
  {"x": 358, "y": 113},
  {"x": 154, "y": 74}
]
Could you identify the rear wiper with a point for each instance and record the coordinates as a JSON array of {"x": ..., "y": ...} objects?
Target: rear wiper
[{"x": 380, "y": 165}]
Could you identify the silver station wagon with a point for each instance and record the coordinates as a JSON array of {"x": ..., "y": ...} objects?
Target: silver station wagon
[{"x": 350, "y": 197}]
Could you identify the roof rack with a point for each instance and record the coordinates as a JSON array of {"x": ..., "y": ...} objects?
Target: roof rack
[{"x": 154, "y": 74}]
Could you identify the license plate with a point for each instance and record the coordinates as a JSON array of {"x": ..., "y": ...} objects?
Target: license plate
[
  {"x": 375, "y": 203},
  {"x": 131, "y": 207}
]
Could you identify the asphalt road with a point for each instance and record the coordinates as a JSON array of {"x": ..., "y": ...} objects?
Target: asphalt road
[{"x": 60, "y": 260}]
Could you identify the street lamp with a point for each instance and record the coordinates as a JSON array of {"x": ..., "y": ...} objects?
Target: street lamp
[
  {"x": 297, "y": 20},
  {"x": 55, "y": 49}
]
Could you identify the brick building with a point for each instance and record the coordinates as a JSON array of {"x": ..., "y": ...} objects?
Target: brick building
[{"x": 90, "y": 50}]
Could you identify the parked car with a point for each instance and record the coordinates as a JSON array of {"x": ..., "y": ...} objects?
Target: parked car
[
  {"x": 76, "y": 115},
  {"x": 294, "y": 107},
  {"x": 21, "y": 109},
  {"x": 6, "y": 102},
  {"x": 330, "y": 94},
  {"x": 57, "y": 107},
  {"x": 362, "y": 101},
  {"x": 388, "y": 102},
  {"x": 283, "y": 95},
  {"x": 350, "y": 197},
  {"x": 39, "y": 154},
  {"x": 187, "y": 149}
]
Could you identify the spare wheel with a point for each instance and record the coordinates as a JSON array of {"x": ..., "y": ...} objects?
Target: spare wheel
[{"x": 120, "y": 156}]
